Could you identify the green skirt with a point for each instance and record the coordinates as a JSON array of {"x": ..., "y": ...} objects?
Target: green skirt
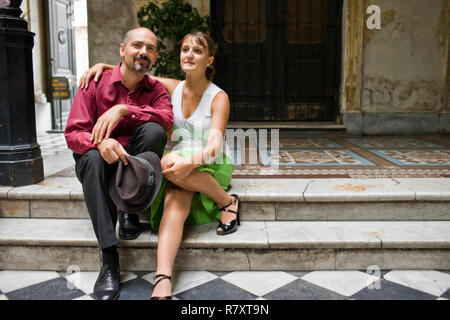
[{"x": 203, "y": 209}]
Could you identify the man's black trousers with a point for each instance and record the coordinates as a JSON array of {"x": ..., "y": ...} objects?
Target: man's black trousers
[{"x": 95, "y": 175}]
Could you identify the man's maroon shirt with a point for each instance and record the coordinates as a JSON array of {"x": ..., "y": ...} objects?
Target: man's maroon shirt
[{"x": 148, "y": 102}]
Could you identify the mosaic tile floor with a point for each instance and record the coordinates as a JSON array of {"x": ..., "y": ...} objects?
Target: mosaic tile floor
[
  {"x": 239, "y": 285},
  {"x": 327, "y": 157},
  {"x": 350, "y": 157}
]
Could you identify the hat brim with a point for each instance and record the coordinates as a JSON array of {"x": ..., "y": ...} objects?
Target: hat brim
[{"x": 155, "y": 162}]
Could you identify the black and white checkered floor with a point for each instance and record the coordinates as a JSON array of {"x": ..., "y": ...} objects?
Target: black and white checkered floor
[{"x": 239, "y": 285}]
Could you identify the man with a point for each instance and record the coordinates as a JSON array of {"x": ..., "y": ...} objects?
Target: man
[{"x": 123, "y": 113}]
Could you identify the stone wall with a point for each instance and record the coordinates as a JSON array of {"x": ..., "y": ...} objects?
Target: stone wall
[
  {"x": 109, "y": 20},
  {"x": 404, "y": 75},
  {"x": 404, "y": 63}
]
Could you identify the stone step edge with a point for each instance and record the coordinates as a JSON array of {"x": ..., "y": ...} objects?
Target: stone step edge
[
  {"x": 275, "y": 190},
  {"x": 70, "y": 259},
  {"x": 257, "y": 211},
  {"x": 251, "y": 235},
  {"x": 429, "y": 197}
]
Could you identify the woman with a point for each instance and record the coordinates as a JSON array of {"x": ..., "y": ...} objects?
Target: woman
[{"x": 197, "y": 173}]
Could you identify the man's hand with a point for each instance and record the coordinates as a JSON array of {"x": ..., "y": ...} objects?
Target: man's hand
[
  {"x": 105, "y": 124},
  {"x": 112, "y": 151}
]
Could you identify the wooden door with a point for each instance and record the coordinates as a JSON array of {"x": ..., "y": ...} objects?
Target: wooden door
[{"x": 279, "y": 60}]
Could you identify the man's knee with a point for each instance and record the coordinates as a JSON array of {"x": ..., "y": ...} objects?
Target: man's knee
[
  {"x": 89, "y": 163},
  {"x": 149, "y": 137},
  {"x": 151, "y": 130},
  {"x": 92, "y": 158}
]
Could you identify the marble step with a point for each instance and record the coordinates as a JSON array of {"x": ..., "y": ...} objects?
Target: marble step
[
  {"x": 267, "y": 199},
  {"x": 292, "y": 127},
  {"x": 63, "y": 244}
]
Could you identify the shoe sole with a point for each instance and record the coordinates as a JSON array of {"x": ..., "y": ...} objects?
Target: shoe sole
[
  {"x": 128, "y": 238},
  {"x": 123, "y": 237},
  {"x": 115, "y": 298},
  {"x": 225, "y": 233}
]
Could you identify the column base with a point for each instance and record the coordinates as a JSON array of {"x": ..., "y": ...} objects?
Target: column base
[{"x": 21, "y": 173}]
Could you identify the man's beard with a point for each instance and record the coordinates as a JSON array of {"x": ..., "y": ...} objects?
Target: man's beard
[{"x": 140, "y": 67}]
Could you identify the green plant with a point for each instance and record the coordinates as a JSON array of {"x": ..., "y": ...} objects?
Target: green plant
[{"x": 171, "y": 22}]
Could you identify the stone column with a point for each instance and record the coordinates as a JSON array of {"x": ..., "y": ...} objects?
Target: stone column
[{"x": 20, "y": 155}]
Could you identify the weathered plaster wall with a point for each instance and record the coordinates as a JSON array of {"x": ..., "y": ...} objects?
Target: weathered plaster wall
[
  {"x": 109, "y": 20},
  {"x": 405, "y": 64},
  {"x": 444, "y": 42}
]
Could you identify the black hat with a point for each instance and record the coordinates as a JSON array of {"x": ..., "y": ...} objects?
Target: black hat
[{"x": 135, "y": 186}]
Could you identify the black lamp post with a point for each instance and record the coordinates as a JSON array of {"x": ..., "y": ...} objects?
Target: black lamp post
[{"x": 20, "y": 155}]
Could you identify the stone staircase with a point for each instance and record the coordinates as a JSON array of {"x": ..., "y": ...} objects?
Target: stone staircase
[{"x": 286, "y": 224}]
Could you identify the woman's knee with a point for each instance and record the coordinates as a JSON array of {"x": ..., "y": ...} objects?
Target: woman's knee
[{"x": 168, "y": 159}]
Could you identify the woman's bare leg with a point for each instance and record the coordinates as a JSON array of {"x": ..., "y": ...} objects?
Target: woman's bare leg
[
  {"x": 205, "y": 183},
  {"x": 177, "y": 203}
]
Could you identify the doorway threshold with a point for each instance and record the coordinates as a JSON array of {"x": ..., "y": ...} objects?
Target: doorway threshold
[{"x": 300, "y": 125}]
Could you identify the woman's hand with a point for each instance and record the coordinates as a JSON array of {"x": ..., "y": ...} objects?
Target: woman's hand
[
  {"x": 96, "y": 70},
  {"x": 178, "y": 168}
]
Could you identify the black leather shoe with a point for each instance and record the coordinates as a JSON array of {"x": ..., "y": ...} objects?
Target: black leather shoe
[
  {"x": 129, "y": 226},
  {"x": 107, "y": 285},
  {"x": 230, "y": 226}
]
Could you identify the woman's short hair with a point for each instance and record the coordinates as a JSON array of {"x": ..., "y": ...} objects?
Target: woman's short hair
[{"x": 206, "y": 41}]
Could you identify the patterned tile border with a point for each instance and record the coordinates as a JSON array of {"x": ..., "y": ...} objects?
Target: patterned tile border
[
  {"x": 391, "y": 142},
  {"x": 292, "y": 157},
  {"x": 415, "y": 157}
]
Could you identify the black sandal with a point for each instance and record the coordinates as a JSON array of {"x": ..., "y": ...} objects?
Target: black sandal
[
  {"x": 231, "y": 226},
  {"x": 163, "y": 276}
]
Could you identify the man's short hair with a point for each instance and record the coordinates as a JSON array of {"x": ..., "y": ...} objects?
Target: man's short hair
[
  {"x": 126, "y": 36},
  {"x": 129, "y": 32}
]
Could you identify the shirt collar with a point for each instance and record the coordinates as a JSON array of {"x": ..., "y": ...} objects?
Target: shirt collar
[{"x": 116, "y": 77}]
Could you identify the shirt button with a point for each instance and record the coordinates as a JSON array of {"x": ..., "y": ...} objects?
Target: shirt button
[{"x": 133, "y": 116}]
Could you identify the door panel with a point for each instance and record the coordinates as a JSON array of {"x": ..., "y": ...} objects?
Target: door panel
[
  {"x": 243, "y": 57},
  {"x": 61, "y": 55},
  {"x": 279, "y": 60}
]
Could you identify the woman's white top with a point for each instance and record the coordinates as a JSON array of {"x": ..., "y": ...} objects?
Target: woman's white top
[{"x": 192, "y": 133}]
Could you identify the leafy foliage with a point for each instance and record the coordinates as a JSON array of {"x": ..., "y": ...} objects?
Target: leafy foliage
[{"x": 171, "y": 22}]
